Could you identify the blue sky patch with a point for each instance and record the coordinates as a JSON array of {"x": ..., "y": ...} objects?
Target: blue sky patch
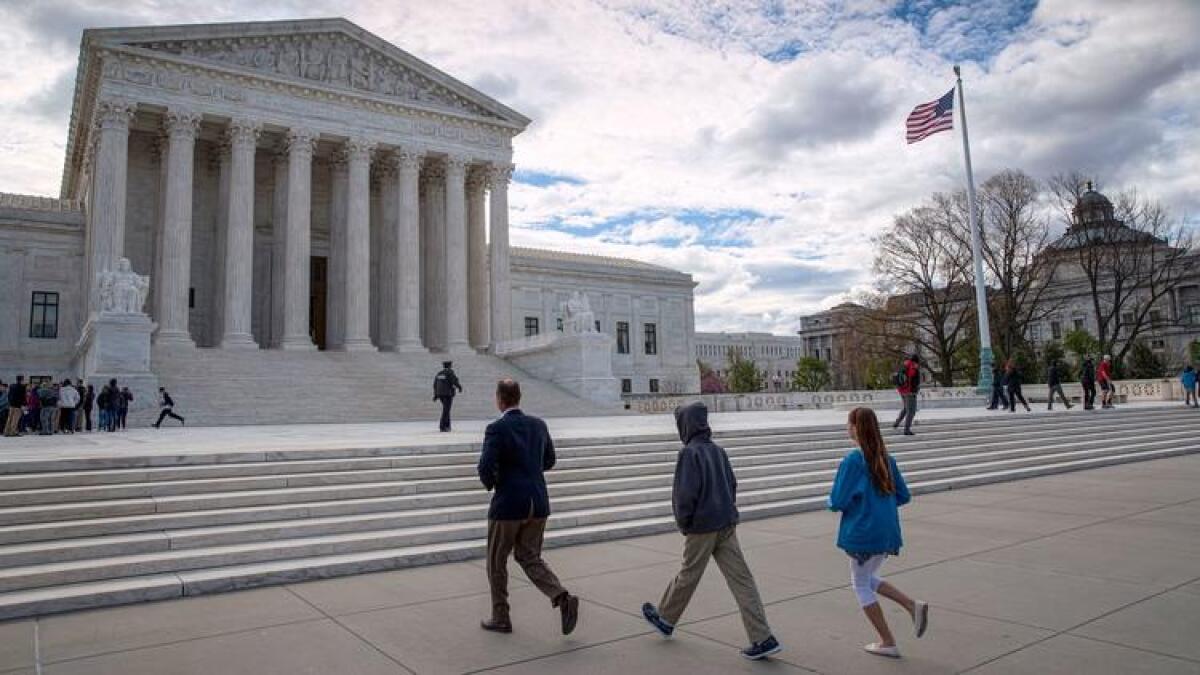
[
  {"x": 544, "y": 179},
  {"x": 965, "y": 30}
]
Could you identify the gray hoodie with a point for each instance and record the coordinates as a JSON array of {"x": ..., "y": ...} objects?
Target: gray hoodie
[{"x": 705, "y": 491}]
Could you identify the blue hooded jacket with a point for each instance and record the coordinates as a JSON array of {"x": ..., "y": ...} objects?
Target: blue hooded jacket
[{"x": 870, "y": 520}]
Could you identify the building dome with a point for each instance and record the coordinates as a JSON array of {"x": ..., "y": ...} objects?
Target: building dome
[{"x": 1092, "y": 207}]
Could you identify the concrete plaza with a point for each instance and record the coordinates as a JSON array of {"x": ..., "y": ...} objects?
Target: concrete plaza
[{"x": 1089, "y": 572}]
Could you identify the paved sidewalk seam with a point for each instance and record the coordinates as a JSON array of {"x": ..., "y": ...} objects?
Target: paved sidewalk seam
[{"x": 351, "y": 631}]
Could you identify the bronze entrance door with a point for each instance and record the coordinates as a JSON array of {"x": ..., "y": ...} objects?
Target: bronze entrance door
[{"x": 316, "y": 300}]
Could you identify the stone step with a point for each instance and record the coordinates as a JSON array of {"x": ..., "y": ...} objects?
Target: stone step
[
  {"x": 137, "y": 587},
  {"x": 50, "y": 563}
]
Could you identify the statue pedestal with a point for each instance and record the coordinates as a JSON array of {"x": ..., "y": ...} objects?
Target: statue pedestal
[
  {"x": 117, "y": 345},
  {"x": 580, "y": 363}
]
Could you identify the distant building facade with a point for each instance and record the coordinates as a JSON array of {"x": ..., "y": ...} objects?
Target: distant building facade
[{"x": 774, "y": 355}]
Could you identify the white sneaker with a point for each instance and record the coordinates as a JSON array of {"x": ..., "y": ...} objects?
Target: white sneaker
[{"x": 877, "y": 649}]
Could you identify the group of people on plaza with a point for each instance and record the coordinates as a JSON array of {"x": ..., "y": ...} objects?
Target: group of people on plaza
[
  {"x": 47, "y": 407},
  {"x": 1007, "y": 381},
  {"x": 517, "y": 450}
]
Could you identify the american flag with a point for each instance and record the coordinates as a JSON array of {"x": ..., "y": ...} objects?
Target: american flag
[{"x": 929, "y": 118}]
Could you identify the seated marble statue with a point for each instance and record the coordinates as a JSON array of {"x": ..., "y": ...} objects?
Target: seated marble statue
[
  {"x": 579, "y": 315},
  {"x": 123, "y": 291}
]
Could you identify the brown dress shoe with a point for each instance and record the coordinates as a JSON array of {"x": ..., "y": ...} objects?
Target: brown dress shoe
[
  {"x": 497, "y": 625},
  {"x": 569, "y": 606}
]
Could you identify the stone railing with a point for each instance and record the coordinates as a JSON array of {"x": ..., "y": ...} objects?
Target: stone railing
[
  {"x": 792, "y": 400},
  {"x": 9, "y": 200}
]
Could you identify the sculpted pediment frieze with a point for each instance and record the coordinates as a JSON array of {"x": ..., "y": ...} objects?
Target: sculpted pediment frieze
[{"x": 331, "y": 59}]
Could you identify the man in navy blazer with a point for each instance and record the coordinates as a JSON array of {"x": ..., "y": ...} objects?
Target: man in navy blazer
[{"x": 517, "y": 450}]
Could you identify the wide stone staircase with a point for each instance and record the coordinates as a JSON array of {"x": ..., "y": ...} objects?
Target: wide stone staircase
[
  {"x": 214, "y": 387},
  {"x": 77, "y": 533}
]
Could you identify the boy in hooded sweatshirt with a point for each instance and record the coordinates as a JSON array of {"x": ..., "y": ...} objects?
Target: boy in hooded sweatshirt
[{"x": 703, "y": 500}]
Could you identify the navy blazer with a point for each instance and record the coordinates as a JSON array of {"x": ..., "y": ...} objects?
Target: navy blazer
[{"x": 516, "y": 450}]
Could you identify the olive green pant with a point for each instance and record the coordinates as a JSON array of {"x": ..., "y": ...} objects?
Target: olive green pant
[{"x": 722, "y": 546}]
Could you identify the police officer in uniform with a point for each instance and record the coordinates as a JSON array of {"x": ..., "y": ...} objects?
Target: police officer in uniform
[{"x": 444, "y": 386}]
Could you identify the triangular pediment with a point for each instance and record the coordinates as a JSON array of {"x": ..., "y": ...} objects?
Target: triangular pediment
[{"x": 324, "y": 52}]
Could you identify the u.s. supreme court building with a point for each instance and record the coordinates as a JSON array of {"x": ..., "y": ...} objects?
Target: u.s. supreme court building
[{"x": 299, "y": 186}]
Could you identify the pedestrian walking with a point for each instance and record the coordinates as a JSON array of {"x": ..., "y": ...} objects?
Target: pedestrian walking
[
  {"x": 445, "y": 384},
  {"x": 123, "y": 402},
  {"x": 1087, "y": 378},
  {"x": 1012, "y": 382},
  {"x": 1054, "y": 385},
  {"x": 704, "y": 502},
  {"x": 999, "y": 400},
  {"x": 868, "y": 491},
  {"x": 89, "y": 400},
  {"x": 166, "y": 408},
  {"x": 1188, "y": 380},
  {"x": 16, "y": 405},
  {"x": 517, "y": 451},
  {"x": 68, "y": 400},
  {"x": 1105, "y": 375},
  {"x": 908, "y": 384}
]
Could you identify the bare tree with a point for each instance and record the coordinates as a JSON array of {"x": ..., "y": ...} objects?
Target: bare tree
[
  {"x": 1131, "y": 255},
  {"x": 921, "y": 265}
]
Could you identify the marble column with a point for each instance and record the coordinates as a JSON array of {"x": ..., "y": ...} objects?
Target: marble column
[
  {"x": 477, "y": 263},
  {"x": 500, "y": 286},
  {"x": 106, "y": 208},
  {"x": 220, "y": 161},
  {"x": 356, "y": 293},
  {"x": 279, "y": 199},
  {"x": 387, "y": 302},
  {"x": 242, "y": 136},
  {"x": 408, "y": 251},
  {"x": 434, "y": 260},
  {"x": 297, "y": 264},
  {"x": 181, "y": 127},
  {"x": 457, "y": 302},
  {"x": 156, "y": 275},
  {"x": 335, "y": 323}
]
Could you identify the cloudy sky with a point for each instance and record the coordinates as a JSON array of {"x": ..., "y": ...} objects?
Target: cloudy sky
[{"x": 754, "y": 144}]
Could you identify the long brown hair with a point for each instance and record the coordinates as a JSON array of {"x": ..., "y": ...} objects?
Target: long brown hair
[{"x": 870, "y": 441}]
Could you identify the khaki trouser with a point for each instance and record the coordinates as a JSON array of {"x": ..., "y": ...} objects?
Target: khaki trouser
[
  {"x": 723, "y": 547},
  {"x": 13, "y": 422},
  {"x": 522, "y": 539}
]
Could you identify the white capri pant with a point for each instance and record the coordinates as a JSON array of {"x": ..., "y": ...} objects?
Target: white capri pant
[{"x": 864, "y": 578}]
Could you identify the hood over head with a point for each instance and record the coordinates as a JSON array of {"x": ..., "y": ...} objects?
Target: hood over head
[{"x": 692, "y": 421}]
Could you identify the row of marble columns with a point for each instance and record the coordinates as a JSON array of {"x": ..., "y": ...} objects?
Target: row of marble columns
[{"x": 462, "y": 293}]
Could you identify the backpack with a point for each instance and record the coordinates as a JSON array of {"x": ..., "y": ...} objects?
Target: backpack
[{"x": 900, "y": 377}]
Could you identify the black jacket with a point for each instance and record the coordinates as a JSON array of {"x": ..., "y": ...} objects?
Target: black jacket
[
  {"x": 444, "y": 383},
  {"x": 16, "y": 395},
  {"x": 1013, "y": 379},
  {"x": 1087, "y": 376},
  {"x": 1052, "y": 376},
  {"x": 705, "y": 491},
  {"x": 517, "y": 449}
]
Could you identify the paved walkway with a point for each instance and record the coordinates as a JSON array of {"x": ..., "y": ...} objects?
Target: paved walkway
[
  {"x": 1093, "y": 572},
  {"x": 189, "y": 440}
]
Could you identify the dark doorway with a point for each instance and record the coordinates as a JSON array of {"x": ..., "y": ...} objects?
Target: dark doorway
[{"x": 316, "y": 300}]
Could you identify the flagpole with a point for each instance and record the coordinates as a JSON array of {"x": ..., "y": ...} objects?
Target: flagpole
[{"x": 986, "y": 359}]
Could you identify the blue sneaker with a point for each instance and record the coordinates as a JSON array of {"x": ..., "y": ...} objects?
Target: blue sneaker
[
  {"x": 761, "y": 650},
  {"x": 655, "y": 619}
]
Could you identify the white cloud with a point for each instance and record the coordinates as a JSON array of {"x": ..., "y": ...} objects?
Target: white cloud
[{"x": 672, "y": 107}]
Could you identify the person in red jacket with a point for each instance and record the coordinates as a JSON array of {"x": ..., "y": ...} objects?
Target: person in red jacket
[
  {"x": 1104, "y": 376},
  {"x": 908, "y": 384}
]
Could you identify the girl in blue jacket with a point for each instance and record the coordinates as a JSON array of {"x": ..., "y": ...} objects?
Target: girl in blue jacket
[{"x": 868, "y": 491}]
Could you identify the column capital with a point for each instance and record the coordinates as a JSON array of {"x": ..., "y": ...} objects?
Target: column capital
[
  {"x": 359, "y": 149},
  {"x": 339, "y": 160},
  {"x": 242, "y": 132},
  {"x": 300, "y": 141},
  {"x": 387, "y": 168},
  {"x": 181, "y": 123},
  {"x": 477, "y": 179},
  {"x": 114, "y": 113},
  {"x": 409, "y": 159},
  {"x": 456, "y": 167},
  {"x": 499, "y": 175}
]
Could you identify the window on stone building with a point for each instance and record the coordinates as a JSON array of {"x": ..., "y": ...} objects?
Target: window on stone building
[
  {"x": 1158, "y": 344},
  {"x": 43, "y": 315},
  {"x": 1056, "y": 330},
  {"x": 626, "y": 385},
  {"x": 1156, "y": 317},
  {"x": 1080, "y": 324},
  {"x": 531, "y": 326},
  {"x": 558, "y": 324},
  {"x": 651, "y": 333},
  {"x": 191, "y": 298},
  {"x": 622, "y": 337},
  {"x": 1127, "y": 320},
  {"x": 653, "y": 385},
  {"x": 1193, "y": 314},
  {"x": 1035, "y": 332},
  {"x": 598, "y": 326}
]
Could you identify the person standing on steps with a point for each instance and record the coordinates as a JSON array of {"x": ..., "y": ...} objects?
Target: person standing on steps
[
  {"x": 517, "y": 451},
  {"x": 48, "y": 398},
  {"x": 1013, "y": 381},
  {"x": 445, "y": 384},
  {"x": 1054, "y": 385},
  {"x": 166, "y": 408},
  {"x": 16, "y": 400},
  {"x": 908, "y": 384},
  {"x": 123, "y": 402},
  {"x": 1087, "y": 378},
  {"x": 89, "y": 400},
  {"x": 868, "y": 491},
  {"x": 68, "y": 401},
  {"x": 999, "y": 400},
  {"x": 1105, "y": 375},
  {"x": 1188, "y": 380},
  {"x": 704, "y": 501}
]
